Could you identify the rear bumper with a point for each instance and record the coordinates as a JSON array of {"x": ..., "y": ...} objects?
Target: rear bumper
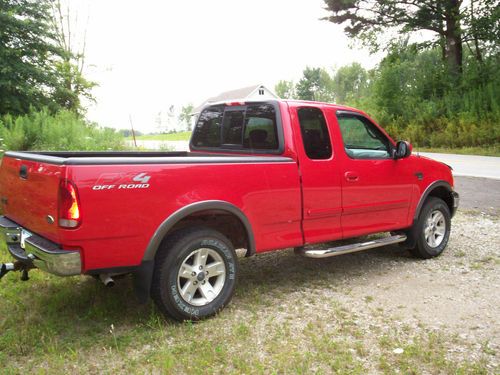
[{"x": 38, "y": 251}]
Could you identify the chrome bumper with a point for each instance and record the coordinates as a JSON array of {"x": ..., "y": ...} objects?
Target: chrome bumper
[{"x": 39, "y": 251}]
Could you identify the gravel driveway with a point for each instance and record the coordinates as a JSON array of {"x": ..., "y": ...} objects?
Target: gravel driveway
[{"x": 387, "y": 293}]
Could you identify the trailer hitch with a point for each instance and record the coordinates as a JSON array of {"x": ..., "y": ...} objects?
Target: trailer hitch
[{"x": 5, "y": 268}]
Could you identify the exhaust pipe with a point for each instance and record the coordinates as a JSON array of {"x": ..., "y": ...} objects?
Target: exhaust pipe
[
  {"x": 5, "y": 268},
  {"x": 106, "y": 280}
]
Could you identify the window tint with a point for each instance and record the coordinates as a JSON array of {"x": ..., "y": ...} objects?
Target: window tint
[
  {"x": 245, "y": 127},
  {"x": 260, "y": 127},
  {"x": 207, "y": 130},
  {"x": 315, "y": 133},
  {"x": 362, "y": 139},
  {"x": 232, "y": 128}
]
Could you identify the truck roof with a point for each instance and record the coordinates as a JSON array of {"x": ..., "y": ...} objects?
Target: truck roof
[{"x": 294, "y": 102}]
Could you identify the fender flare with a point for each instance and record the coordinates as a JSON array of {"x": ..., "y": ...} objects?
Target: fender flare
[
  {"x": 144, "y": 274},
  {"x": 411, "y": 232},
  {"x": 190, "y": 209},
  {"x": 427, "y": 192}
]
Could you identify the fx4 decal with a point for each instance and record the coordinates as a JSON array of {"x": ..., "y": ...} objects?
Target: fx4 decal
[{"x": 110, "y": 181}]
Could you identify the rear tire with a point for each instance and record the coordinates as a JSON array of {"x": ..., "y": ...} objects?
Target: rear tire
[
  {"x": 432, "y": 229},
  {"x": 194, "y": 275}
]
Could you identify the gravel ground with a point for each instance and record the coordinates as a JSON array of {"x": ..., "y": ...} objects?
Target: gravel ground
[{"x": 387, "y": 292}]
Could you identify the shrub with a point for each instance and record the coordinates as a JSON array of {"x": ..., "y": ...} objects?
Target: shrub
[{"x": 62, "y": 131}]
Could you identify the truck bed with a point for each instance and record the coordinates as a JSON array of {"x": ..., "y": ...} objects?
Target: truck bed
[{"x": 125, "y": 196}]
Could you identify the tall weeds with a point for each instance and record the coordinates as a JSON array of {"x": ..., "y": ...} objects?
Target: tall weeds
[{"x": 40, "y": 130}]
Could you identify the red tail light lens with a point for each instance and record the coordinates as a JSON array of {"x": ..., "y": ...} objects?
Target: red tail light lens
[{"x": 69, "y": 207}]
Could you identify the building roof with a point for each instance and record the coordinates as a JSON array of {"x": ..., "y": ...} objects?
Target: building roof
[{"x": 241, "y": 93}]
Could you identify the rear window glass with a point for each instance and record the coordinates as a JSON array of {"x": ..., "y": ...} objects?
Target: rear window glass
[
  {"x": 252, "y": 127},
  {"x": 207, "y": 131}
]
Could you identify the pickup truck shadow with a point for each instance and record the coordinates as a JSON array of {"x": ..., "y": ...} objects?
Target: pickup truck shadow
[
  {"x": 273, "y": 274},
  {"x": 263, "y": 278}
]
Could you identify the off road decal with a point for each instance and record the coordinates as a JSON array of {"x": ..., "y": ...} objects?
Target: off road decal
[{"x": 121, "y": 181}]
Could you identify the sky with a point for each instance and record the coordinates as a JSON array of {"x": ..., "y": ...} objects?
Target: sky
[{"x": 148, "y": 55}]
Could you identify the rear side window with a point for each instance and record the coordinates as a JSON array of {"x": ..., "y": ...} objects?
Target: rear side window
[
  {"x": 249, "y": 127},
  {"x": 314, "y": 133}
]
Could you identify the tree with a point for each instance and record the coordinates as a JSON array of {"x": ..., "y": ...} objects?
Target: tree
[
  {"x": 28, "y": 52},
  {"x": 350, "y": 83},
  {"x": 38, "y": 67},
  {"x": 73, "y": 85},
  {"x": 366, "y": 19},
  {"x": 285, "y": 89},
  {"x": 482, "y": 23},
  {"x": 315, "y": 84},
  {"x": 186, "y": 115}
]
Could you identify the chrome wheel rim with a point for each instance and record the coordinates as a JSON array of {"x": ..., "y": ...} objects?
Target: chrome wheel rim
[
  {"x": 201, "y": 277},
  {"x": 435, "y": 229}
]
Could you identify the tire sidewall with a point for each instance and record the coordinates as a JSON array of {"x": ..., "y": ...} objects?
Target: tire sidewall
[
  {"x": 432, "y": 205},
  {"x": 171, "y": 268}
]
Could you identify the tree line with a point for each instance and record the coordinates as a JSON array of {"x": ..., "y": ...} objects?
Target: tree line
[{"x": 442, "y": 92}]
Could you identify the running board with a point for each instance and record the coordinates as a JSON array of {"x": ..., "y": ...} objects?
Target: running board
[{"x": 346, "y": 249}]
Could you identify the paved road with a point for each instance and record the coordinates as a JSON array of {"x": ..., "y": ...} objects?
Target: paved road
[
  {"x": 469, "y": 165},
  {"x": 479, "y": 194}
]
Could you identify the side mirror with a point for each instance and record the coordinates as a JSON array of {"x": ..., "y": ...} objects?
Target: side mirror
[{"x": 402, "y": 150}]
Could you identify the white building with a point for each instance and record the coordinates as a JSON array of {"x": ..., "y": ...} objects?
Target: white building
[{"x": 251, "y": 92}]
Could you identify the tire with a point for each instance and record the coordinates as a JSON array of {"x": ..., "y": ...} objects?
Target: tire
[
  {"x": 432, "y": 230},
  {"x": 181, "y": 287}
]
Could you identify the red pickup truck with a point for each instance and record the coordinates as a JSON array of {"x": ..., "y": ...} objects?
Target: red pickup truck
[{"x": 259, "y": 176}]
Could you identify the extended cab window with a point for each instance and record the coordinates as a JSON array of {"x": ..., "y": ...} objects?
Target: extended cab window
[
  {"x": 252, "y": 126},
  {"x": 315, "y": 135},
  {"x": 362, "y": 139}
]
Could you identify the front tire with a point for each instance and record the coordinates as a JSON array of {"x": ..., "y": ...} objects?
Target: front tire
[
  {"x": 195, "y": 274},
  {"x": 432, "y": 229}
]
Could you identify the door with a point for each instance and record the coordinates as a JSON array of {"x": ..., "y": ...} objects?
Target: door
[
  {"x": 320, "y": 175},
  {"x": 376, "y": 189}
]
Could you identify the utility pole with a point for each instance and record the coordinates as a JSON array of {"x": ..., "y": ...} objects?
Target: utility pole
[{"x": 132, "y": 128}]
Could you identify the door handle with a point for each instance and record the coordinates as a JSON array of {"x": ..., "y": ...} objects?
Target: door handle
[{"x": 351, "y": 176}]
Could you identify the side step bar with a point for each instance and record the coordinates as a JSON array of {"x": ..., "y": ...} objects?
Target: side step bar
[{"x": 345, "y": 249}]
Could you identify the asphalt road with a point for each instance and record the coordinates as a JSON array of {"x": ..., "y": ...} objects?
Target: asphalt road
[
  {"x": 469, "y": 165},
  {"x": 478, "y": 194}
]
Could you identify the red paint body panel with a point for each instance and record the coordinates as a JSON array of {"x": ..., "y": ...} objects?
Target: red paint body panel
[{"x": 287, "y": 203}]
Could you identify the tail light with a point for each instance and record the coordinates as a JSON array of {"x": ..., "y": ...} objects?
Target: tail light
[{"x": 69, "y": 206}]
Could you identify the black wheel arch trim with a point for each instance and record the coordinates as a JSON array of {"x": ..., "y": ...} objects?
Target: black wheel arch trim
[
  {"x": 190, "y": 209},
  {"x": 144, "y": 274},
  {"x": 427, "y": 192}
]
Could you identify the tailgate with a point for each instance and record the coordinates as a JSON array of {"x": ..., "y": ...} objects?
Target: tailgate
[{"x": 29, "y": 194}]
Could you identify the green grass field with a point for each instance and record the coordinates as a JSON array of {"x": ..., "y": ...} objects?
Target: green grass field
[{"x": 180, "y": 136}]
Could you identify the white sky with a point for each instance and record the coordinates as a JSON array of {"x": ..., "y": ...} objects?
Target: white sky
[{"x": 147, "y": 55}]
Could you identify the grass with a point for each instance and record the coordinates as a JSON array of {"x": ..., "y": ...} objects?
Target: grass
[
  {"x": 480, "y": 150},
  {"x": 276, "y": 324},
  {"x": 179, "y": 136}
]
